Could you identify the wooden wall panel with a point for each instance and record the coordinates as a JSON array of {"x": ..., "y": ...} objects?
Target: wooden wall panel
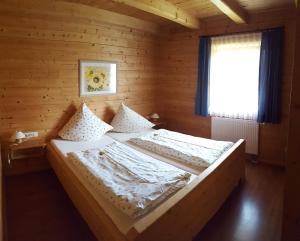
[
  {"x": 291, "y": 218},
  {"x": 41, "y": 44},
  {"x": 178, "y": 81},
  {"x": 180, "y": 60}
]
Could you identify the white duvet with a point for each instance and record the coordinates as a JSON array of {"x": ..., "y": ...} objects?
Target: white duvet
[
  {"x": 132, "y": 181},
  {"x": 188, "y": 149}
]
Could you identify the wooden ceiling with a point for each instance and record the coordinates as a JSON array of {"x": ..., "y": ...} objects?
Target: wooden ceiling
[
  {"x": 265, "y": 5},
  {"x": 205, "y": 8},
  {"x": 113, "y": 6},
  {"x": 188, "y": 13},
  {"x": 199, "y": 8}
]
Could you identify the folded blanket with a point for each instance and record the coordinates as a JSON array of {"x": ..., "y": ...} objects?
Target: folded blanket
[
  {"x": 194, "y": 151},
  {"x": 131, "y": 180}
]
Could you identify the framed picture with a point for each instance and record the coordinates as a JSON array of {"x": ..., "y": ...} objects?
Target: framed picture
[{"x": 97, "y": 78}]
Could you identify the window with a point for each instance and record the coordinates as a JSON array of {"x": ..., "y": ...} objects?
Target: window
[
  {"x": 234, "y": 76},
  {"x": 239, "y": 76}
]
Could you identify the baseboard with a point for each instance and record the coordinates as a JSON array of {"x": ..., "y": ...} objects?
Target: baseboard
[{"x": 266, "y": 162}]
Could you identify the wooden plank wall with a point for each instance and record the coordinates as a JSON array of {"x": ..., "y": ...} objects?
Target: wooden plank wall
[
  {"x": 291, "y": 218},
  {"x": 179, "y": 77},
  {"x": 40, "y": 45}
]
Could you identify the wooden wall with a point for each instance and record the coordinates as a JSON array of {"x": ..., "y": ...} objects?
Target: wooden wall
[
  {"x": 180, "y": 60},
  {"x": 291, "y": 218},
  {"x": 40, "y": 45}
]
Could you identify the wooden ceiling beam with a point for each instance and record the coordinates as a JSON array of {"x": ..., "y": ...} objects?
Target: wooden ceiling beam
[
  {"x": 232, "y": 9},
  {"x": 164, "y": 9}
]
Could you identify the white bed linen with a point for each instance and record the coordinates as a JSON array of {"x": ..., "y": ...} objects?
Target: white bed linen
[
  {"x": 132, "y": 181},
  {"x": 124, "y": 137},
  {"x": 122, "y": 221},
  {"x": 195, "y": 151}
]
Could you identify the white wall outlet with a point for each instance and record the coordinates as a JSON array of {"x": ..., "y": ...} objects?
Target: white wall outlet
[{"x": 31, "y": 134}]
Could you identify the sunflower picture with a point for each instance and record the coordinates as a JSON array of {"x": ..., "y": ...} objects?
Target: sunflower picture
[{"x": 97, "y": 78}]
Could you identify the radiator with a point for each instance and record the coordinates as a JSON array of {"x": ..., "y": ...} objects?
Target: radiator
[{"x": 226, "y": 129}]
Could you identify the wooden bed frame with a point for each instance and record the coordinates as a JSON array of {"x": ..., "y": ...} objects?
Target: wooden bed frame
[{"x": 180, "y": 218}]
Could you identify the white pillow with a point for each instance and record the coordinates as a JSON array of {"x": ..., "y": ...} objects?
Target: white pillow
[
  {"x": 126, "y": 120},
  {"x": 84, "y": 126}
]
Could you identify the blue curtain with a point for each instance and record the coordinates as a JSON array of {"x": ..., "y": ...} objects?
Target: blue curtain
[
  {"x": 269, "y": 101},
  {"x": 201, "y": 105}
]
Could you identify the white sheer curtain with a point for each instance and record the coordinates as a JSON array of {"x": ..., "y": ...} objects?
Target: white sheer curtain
[{"x": 234, "y": 69}]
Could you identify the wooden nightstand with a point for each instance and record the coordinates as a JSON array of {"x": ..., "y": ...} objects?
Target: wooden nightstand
[
  {"x": 160, "y": 124},
  {"x": 28, "y": 156}
]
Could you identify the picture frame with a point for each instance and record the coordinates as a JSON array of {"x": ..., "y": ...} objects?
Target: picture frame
[{"x": 97, "y": 77}]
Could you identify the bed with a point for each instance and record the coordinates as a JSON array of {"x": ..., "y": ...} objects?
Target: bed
[{"x": 180, "y": 217}]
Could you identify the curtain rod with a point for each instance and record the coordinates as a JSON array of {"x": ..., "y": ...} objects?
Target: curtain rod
[{"x": 241, "y": 32}]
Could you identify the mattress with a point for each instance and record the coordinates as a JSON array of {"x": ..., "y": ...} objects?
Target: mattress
[
  {"x": 121, "y": 220},
  {"x": 124, "y": 137}
]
